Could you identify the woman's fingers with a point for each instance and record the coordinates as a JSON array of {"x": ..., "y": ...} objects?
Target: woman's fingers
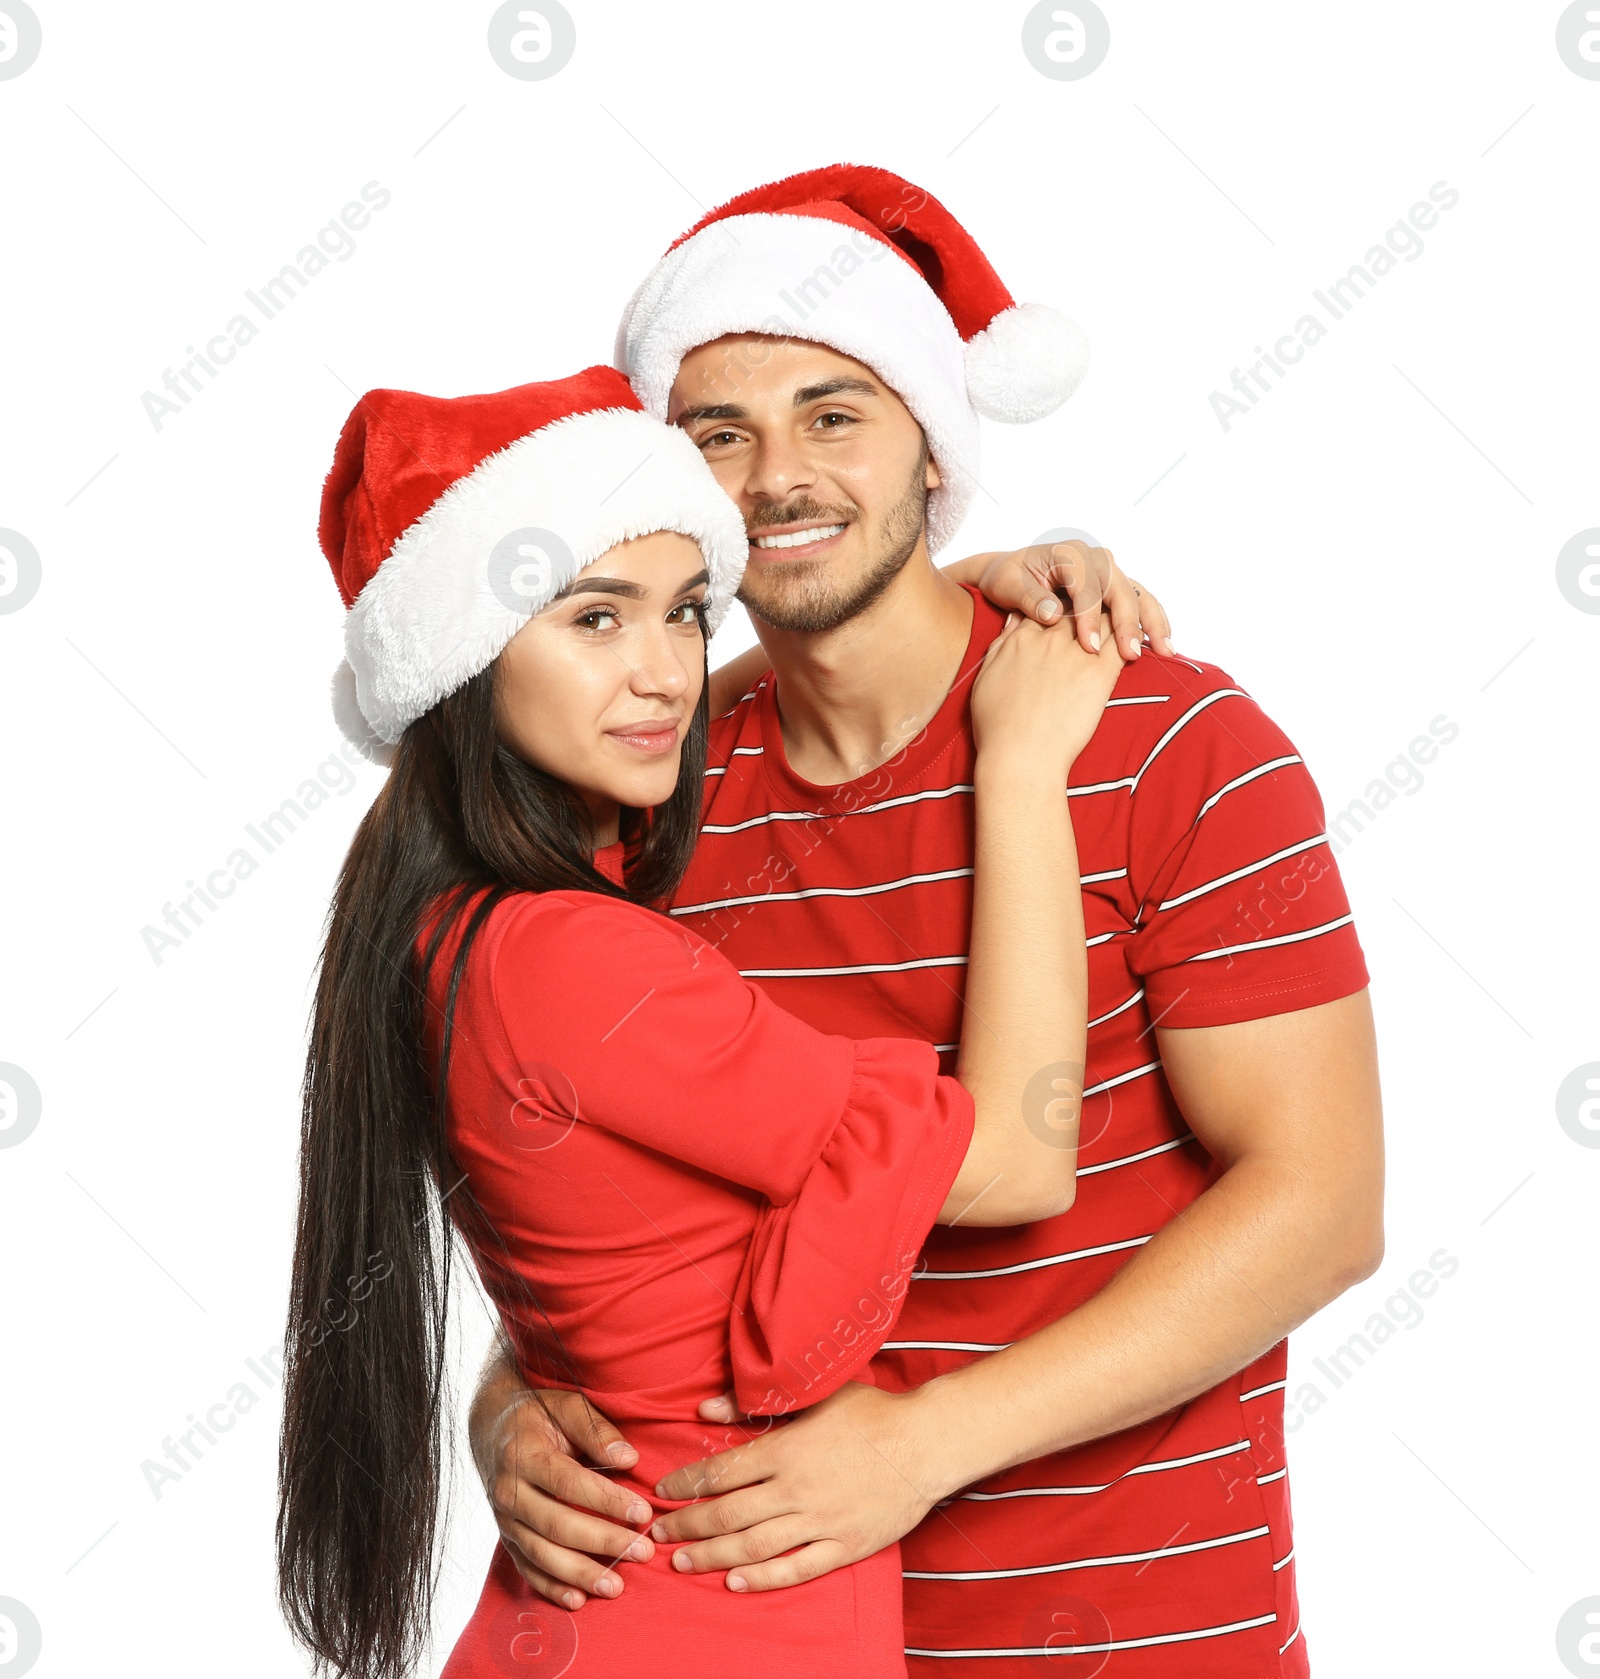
[
  {"x": 715, "y": 1518},
  {"x": 810, "y": 1562},
  {"x": 735, "y": 1550},
  {"x": 721, "y": 1409},
  {"x": 1153, "y": 618},
  {"x": 1122, "y": 603},
  {"x": 1083, "y": 573}
]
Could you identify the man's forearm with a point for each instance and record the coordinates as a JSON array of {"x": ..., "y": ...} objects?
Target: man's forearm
[
  {"x": 500, "y": 1386},
  {"x": 1230, "y": 1276}
]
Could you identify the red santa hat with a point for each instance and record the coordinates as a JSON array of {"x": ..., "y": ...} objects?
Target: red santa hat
[
  {"x": 450, "y": 521},
  {"x": 867, "y": 263}
]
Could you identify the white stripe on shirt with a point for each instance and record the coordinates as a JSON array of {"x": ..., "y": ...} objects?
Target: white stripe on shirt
[
  {"x": 945, "y": 1346},
  {"x": 1256, "y": 1393},
  {"x": 857, "y": 968},
  {"x": 1248, "y": 776},
  {"x": 1131, "y": 1159},
  {"x": 1267, "y": 944},
  {"x": 1249, "y": 869},
  {"x": 1090, "y": 1562},
  {"x": 831, "y": 891},
  {"x": 1184, "y": 721},
  {"x": 1101, "y": 1019},
  {"x": 834, "y": 815},
  {"x": 1138, "y": 1469},
  {"x": 1023, "y": 1265},
  {"x": 1058, "y": 1650},
  {"x": 1121, "y": 1078}
]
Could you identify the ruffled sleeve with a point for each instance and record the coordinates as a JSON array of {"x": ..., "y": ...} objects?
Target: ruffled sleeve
[
  {"x": 853, "y": 1144},
  {"x": 826, "y": 1273}
]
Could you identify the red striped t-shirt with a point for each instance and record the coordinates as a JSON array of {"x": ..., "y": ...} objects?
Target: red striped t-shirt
[{"x": 1210, "y": 896}]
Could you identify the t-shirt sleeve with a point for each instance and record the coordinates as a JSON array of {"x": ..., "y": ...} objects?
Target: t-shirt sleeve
[
  {"x": 853, "y": 1143},
  {"x": 1242, "y": 912}
]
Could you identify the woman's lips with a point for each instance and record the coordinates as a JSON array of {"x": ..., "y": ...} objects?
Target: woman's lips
[{"x": 652, "y": 739}]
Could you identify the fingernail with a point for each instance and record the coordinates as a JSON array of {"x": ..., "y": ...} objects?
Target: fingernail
[
  {"x": 641, "y": 1550},
  {"x": 1050, "y": 609},
  {"x": 681, "y": 1561},
  {"x": 1134, "y": 650},
  {"x": 1094, "y": 640},
  {"x": 619, "y": 1451},
  {"x": 638, "y": 1511},
  {"x": 736, "y": 1583},
  {"x": 608, "y": 1585},
  {"x": 658, "y": 1530},
  {"x": 570, "y": 1600},
  {"x": 661, "y": 1489}
]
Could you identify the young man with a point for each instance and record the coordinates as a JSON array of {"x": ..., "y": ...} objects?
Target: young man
[{"x": 1076, "y": 1430}]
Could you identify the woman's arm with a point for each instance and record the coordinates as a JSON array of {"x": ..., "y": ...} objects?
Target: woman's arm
[
  {"x": 731, "y": 682},
  {"x": 1036, "y": 702}
]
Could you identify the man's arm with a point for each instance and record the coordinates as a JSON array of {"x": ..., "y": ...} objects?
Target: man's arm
[
  {"x": 1289, "y": 1107},
  {"x": 526, "y": 1446}
]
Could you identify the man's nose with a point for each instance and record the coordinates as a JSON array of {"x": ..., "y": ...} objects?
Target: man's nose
[{"x": 778, "y": 471}]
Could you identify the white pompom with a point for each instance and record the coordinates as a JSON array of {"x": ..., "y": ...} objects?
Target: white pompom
[
  {"x": 1025, "y": 363},
  {"x": 352, "y": 724}
]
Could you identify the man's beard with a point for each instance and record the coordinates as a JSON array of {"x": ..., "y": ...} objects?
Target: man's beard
[{"x": 798, "y": 594}]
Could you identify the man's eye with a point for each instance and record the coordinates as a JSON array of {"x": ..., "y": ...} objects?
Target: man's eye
[
  {"x": 718, "y": 439},
  {"x": 832, "y": 422}
]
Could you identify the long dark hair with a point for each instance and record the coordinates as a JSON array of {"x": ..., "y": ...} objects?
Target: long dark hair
[{"x": 359, "y": 1463}]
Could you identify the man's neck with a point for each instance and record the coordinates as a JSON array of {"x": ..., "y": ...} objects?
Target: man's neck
[{"x": 852, "y": 697}]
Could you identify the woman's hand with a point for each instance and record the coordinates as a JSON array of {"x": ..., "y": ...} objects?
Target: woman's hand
[
  {"x": 1039, "y": 696},
  {"x": 1027, "y": 581}
]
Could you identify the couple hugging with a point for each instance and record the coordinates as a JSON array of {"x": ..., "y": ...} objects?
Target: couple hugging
[{"x": 898, "y": 1090}]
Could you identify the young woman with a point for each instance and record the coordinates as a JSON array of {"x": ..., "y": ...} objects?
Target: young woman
[{"x": 670, "y": 1187}]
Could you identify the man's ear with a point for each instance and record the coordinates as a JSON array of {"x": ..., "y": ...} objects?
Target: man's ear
[{"x": 930, "y": 475}]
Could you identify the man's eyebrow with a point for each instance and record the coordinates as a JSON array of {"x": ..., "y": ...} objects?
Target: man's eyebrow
[
  {"x": 832, "y": 387},
  {"x": 714, "y": 411}
]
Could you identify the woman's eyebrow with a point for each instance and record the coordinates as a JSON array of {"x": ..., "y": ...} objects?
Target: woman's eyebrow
[
  {"x": 600, "y": 586},
  {"x": 701, "y": 576}
]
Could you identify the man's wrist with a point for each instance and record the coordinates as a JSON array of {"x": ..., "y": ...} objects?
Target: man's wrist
[{"x": 952, "y": 1452}]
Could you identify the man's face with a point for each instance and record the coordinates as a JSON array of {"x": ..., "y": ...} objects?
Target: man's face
[{"x": 825, "y": 462}]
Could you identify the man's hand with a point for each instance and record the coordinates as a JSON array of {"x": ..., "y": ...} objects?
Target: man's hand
[
  {"x": 840, "y": 1482},
  {"x": 1031, "y": 581},
  {"x": 526, "y": 1445}
]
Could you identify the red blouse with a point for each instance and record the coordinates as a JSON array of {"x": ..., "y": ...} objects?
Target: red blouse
[{"x": 695, "y": 1191}]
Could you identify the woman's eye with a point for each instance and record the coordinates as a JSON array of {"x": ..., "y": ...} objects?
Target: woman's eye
[
  {"x": 597, "y": 618},
  {"x": 686, "y": 612}
]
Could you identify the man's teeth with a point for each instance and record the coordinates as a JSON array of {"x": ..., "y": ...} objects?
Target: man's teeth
[{"x": 794, "y": 539}]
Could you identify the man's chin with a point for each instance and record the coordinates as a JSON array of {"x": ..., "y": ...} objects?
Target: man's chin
[{"x": 800, "y": 596}]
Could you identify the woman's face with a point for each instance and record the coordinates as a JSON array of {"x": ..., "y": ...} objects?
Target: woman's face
[{"x": 599, "y": 688}]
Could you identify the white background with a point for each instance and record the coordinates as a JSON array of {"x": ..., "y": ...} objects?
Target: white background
[{"x": 1371, "y": 547}]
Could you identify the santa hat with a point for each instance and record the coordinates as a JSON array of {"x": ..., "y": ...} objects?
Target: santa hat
[
  {"x": 450, "y": 521},
  {"x": 870, "y": 265}
]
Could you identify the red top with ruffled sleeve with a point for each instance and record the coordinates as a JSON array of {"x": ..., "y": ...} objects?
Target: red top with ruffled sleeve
[{"x": 696, "y": 1191}]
